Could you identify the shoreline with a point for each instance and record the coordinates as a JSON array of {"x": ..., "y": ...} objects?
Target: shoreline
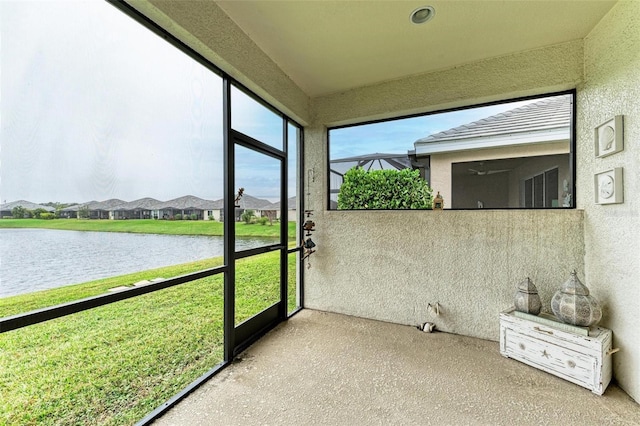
[{"x": 151, "y": 226}]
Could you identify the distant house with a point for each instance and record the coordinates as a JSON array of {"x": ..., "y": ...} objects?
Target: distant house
[
  {"x": 137, "y": 209},
  {"x": 6, "y": 208},
  {"x": 292, "y": 206},
  {"x": 519, "y": 158},
  {"x": 186, "y": 207},
  {"x": 94, "y": 209},
  {"x": 260, "y": 206},
  {"x": 104, "y": 209},
  {"x": 211, "y": 209},
  {"x": 71, "y": 212},
  {"x": 182, "y": 207}
]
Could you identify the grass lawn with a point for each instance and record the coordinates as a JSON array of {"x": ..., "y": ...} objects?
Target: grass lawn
[
  {"x": 150, "y": 226},
  {"x": 114, "y": 364}
]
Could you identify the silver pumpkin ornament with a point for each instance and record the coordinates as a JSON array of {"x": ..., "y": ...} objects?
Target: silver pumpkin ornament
[
  {"x": 572, "y": 304},
  {"x": 526, "y": 298}
]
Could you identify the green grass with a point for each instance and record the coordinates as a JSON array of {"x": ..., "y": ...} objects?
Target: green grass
[
  {"x": 150, "y": 226},
  {"x": 114, "y": 364}
]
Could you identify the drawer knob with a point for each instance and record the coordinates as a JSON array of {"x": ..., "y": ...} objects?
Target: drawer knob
[
  {"x": 521, "y": 346},
  {"x": 571, "y": 364}
]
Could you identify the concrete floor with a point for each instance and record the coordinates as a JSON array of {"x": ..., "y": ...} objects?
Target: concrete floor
[{"x": 329, "y": 369}]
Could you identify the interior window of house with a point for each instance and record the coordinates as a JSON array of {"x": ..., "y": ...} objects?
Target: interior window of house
[
  {"x": 515, "y": 154},
  {"x": 542, "y": 190}
]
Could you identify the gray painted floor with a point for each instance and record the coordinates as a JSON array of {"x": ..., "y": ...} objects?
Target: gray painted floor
[{"x": 330, "y": 369}]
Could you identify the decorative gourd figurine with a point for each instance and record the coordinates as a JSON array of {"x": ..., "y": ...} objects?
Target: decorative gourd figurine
[
  {"x": 527, "y": 299},
  {"x": 572, "y": 304},
  {"x": 438, "y": 202}
]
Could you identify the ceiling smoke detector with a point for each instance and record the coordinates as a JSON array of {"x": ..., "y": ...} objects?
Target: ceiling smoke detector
[{"x": 422, "y": 14}]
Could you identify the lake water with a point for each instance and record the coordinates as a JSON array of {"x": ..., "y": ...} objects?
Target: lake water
[{"x": 40, "y": 259}]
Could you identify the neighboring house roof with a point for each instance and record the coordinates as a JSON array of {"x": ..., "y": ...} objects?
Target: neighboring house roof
[
  {"x": 249, "y": 202},
  {"x": 214, "y": 205},
  {"x": 547, "y": 120},
  {"x": 106, "y": 205},
  {"x": 189, "y": 202},
  {"x": 184, "y": 203},
  {"x": 291, "y": 204},
  {"x": 77, "y": 207},
  {"x": 25, "y": 204},
  {"x": 143, "y": 204}
]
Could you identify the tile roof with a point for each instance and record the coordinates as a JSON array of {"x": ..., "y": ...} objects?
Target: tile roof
[
  {"x": 76, "y": 207},
  {"x": 185, "y": 203},
  {"x": 182, "y": 203},
  {"x": 249, "y": 202},
  {"x": 547, "y": 114},
  {"x": 143, "y": 203},
  {"x": 291, "y": 204},
  {"x": 105, "y": 205}
]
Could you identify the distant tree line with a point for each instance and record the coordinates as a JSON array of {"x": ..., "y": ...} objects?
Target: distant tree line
[{"x": 20, "y": 212}]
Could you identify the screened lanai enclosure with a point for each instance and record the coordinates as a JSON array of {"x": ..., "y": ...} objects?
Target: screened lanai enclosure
[
  {"x": 105, "y": 318},
  {"x": 254, "y": 290}
]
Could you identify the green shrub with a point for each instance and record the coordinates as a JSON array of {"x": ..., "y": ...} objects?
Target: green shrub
[
  {"x": 178, "y": 217},
  {"x": 248, "y": 216},
  {"x": 47, "y": 216},
  {"x": 194, "y": 216},
  {"x": 20, "y": 212},
  {"x": 263, "y": 220},
  {"x": 384, "y": 190},
  {"x": 37, "y": 213}
]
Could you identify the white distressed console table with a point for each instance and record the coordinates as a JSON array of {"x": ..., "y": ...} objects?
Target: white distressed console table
[{"x": 583, "y": 360}]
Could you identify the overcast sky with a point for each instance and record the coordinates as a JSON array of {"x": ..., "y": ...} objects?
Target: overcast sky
[{"x": 94, "y": 106}]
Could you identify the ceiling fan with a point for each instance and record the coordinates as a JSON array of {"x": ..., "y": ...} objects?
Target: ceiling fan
[{"x": 482, "y": 171}]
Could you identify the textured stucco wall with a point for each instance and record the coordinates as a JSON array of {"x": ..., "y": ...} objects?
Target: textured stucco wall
[
  {"x": 390, "y": 265},
  {"x": 204, "y": 27},
  {"x": 612, "y": 233}
]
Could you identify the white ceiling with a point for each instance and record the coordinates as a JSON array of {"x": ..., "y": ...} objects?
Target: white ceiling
[{"x": 332, "y": 46}]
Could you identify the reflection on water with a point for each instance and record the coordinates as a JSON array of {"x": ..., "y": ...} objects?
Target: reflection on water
[{"x": 40, "y": 259}]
